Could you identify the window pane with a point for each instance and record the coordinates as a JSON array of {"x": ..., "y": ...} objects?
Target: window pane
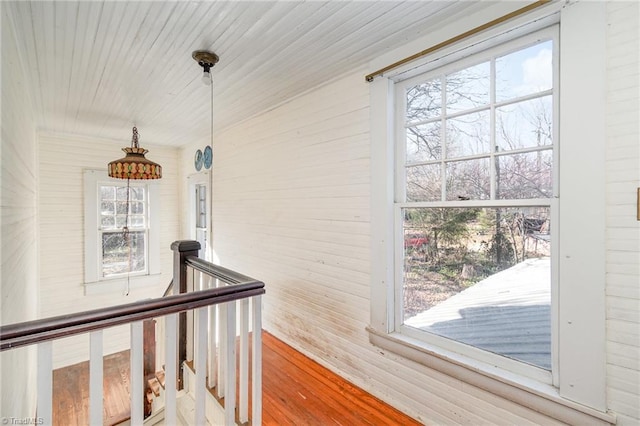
[
  {"x": 121, "y": 193},
  {"x": 468, "y": 135},
  {"x": 136, "y": 207},
  {"x": 107, "y": 208},
  {"x": 137, "y": 193},
  {"x": 122, "y": 255},
  {"x": 136, "y": 221},
  {"x": 527, "y": 175},
  {"x": 424, "y": 101},
  {"x": 107, "y": 193},
  {"x": 481, "y": 276},
  {"x": 108, "y": 222},
  {"x": 424, "y": 142},
  {"x": 201, "y": 206},
  {"x": 468, "y": 88},
  {"x": 121, "y": 221},
  {"x": 423, "y": 183},
  {"x": 525, "y": 124},
  {"x": 524, "y": 72},
  {"x": 121, "y": 207},
  {"x": 468, "y": 180}
]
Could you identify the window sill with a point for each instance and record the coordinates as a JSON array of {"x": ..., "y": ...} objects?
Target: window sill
[
  {"x": 119, "y": 285},
  {"x": 529, "y": 393}
]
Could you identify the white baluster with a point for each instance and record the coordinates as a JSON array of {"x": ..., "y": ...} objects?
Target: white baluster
[
  {"x": 213, "y": 343},
  {"x": 190, "y": 287},
  {"x": 171, "y": 370},
  {"x": 137, "y": 374},
  {"x": 243, "y": 403},
  {"x": 230, "y": 361},
  {"x": 222, "y": 346},
  {"x": 45, "y": 382},
  {"x": 256, "y": 362},
  {"x": 160, "y": 342},
  {"x": 211, "y": 336},
  {"x": 96, "y": 366},
  {"x": 200, "y": 365}
]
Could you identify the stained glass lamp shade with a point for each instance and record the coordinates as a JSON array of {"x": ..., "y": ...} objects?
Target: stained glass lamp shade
[{"x": 134, "y": 165}]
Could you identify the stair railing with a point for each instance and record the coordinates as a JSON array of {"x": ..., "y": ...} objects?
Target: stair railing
[{"x": 226, "y": 288}]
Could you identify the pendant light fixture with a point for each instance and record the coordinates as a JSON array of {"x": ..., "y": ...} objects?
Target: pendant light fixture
[
  {"x": 206, "y": 60},
  {"x": 134, "y": 165}
]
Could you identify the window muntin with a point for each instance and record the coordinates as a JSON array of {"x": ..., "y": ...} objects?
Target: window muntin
[
  {"x": 481, "y": 135},
  {"x": 123, "y": 229}
]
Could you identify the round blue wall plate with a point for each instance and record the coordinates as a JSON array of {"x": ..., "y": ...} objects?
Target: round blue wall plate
[
  {"x": 197, "y": 161},
  {"x": 208, "y": 157}
]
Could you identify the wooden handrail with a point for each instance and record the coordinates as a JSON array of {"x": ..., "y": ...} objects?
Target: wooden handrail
[
  {"x": 227, "y": 287},
  {"x": 26, "y": 333},
  {"x": 217, "y": 271}
]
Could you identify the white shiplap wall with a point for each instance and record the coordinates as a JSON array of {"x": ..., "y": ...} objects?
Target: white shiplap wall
[
  {"x": 19, "y": 250},
  {"x": 623, "y": 229},
  {"x": 291, "y": 207},
  {"x": 62, "y": 161}
]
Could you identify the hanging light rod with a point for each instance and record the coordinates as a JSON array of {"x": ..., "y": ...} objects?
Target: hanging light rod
[
  {"x": 206, "y": 60},
  {"x": 457, "y": 38}
]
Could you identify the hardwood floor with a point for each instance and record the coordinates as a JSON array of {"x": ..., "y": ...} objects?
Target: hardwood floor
[
  {"x": 296, "y": 391},
  {"x": 299, "y": 391},
  {"x": 71, "y": 392}
]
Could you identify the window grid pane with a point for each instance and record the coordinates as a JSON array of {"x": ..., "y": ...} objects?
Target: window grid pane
[
  {"x": 524, "y": 126},
  {"x": 113, "y": 207}
]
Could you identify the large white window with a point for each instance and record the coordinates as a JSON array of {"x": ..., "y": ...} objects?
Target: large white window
[
  {"x": 121, "y": 229},
  {"x": 475, "y": 200},
  {"x": 487, "y": 225}
]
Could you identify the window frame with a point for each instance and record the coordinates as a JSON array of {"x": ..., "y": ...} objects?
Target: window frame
[
  {"x": 94, "y": 282},
  {"x": 400, "y": 201},
  {"x": 578, "y": 393},
  {"x": 202, "y": 178}
]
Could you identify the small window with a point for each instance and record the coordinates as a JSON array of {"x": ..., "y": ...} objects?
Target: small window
[{"x": 121, "y": 228}]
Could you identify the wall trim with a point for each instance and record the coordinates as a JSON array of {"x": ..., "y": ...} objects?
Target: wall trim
[{"x": 542, "y": 398}]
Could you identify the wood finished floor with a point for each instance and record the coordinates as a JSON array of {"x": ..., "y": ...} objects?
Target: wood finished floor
[
  {"x": 299, "y": 391},
  {"x": 71, "y": 392},
  {"x": 296, "y": 391}
]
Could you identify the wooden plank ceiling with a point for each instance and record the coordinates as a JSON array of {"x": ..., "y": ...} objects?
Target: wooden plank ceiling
[{"x": 98, "y": 67}]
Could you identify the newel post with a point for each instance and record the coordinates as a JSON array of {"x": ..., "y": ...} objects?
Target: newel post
[{"x": 182, "y": 250}]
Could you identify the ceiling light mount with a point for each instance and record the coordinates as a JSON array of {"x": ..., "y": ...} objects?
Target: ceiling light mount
[{"x": 206, "y": 60}]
